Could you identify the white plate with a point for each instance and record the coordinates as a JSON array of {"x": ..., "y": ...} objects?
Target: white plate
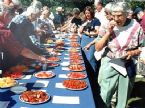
[
  {"x": 85, "y": 75},
  {"x": 78, "y": 70},
  {"x": 73, "y": 63},
  {"x": 53, "y": 66},
  {"x": 54, "y": 60},
  {"x": 53, "y": 74},
  {"x": 35, "y": 102},
  {"x": 76, "y": 89}
]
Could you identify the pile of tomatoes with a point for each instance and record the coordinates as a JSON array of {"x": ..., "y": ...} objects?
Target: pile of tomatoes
[
  {"x": 75, "y": 84},
  {"x": 75, "y": 67},
  {"x": 34, "y": 96},
  {"x": 77, "y": 75},
  {"x": 14, "y": 75}
]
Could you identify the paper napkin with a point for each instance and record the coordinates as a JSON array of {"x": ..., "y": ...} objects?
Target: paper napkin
[
  {"x": 62, "y": 76},
  {"x": 66, "y": 100},
  {"x": 41, "y": 83},
  {"x": 67, "y": 43},
  {"x": 66, "y": 58},
  {"x": 66, "y": 63},
  {"x": 59, "y": 85},
  {"x": 65, "y": 68},
  {"x": 66, "y": 54},
  {"x": 27, "y": 77},
  {"x": 22, "y": 84}
]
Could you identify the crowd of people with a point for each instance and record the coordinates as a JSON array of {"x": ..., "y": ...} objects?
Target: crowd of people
[{"x": 110, "y": 34}]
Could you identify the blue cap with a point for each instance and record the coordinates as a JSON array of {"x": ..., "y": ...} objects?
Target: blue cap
[{"x": 137, "y": 10}]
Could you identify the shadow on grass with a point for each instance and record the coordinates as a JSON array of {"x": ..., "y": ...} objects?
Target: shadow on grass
[{"x": 137, "y": 99}]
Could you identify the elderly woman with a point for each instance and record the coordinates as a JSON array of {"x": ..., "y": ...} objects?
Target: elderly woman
[
  {"x": 89, "y": 30},
  {"x": 122, "y": 38},
  {"x": 8, "y": 43},
  {"x": 22, "y": 28}
]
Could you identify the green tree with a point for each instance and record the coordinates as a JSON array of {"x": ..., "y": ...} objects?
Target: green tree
[
  {"x": 135, "y": 4},
  {"x": 66, "y": 4}
]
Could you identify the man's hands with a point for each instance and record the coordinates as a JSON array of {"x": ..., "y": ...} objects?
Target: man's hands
[{"x": 42, "y": 59}]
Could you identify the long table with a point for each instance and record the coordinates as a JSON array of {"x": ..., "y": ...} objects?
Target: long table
[{"x": 83, "y": 98}]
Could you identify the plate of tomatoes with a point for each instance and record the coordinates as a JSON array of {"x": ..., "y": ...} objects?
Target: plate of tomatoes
[
  {"x": 73, "y": 84},
  {"x": 52, "y": 64},
  {"x": 76, "y": 61},
  {"x": 75, "y": 67},
  {"x": 74, "y": 44},
  {"x": 53, "y": 59},
  {"x": 76, "y": 75},
  {"x": 14, "y": 75},
  {"x": 44, "y": 74},
  {"x": 78, "y": 57},
  {"x": 34, "y": 97}
]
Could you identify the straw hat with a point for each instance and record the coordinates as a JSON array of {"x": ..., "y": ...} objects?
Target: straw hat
[{"x": 59, "y": 9}]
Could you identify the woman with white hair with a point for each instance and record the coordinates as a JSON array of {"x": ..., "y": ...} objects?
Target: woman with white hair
[
  {"x": 22, "y": 28},
  {"x": 122, "y": 38},
  {"x": 11, "y": 48}
]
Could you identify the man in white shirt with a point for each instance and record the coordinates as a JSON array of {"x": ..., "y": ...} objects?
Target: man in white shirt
[{"x": 99, "y": 12}]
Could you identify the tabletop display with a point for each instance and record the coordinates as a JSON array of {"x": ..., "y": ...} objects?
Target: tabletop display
[{"x": 63, "y": 83}]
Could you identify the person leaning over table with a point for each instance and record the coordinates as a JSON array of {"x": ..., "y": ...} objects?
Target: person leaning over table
[
  {"x": 89, "y": 31},
  {"x": 9, "y": 44},
  {"x": 122, "y": 38},
  {"x": 44, "y": 20},
  {"x": 76, "y": 20},
  {"x": 67, "y": 23},
  {"x": 23, "y": 29},
  {"x": 76, "y": 17}
]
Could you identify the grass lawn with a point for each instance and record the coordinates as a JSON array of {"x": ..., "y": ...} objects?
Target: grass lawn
[{"x": 137, "y": 99}]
